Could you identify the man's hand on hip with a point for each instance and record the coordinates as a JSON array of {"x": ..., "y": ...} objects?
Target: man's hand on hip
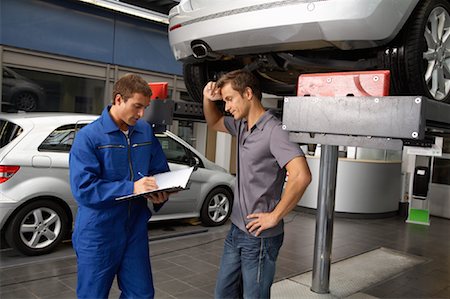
[{"x": 261, "y": 222}]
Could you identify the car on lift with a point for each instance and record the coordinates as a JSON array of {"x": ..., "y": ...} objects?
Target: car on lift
[
  {"x": 36, "y": 205},
  {"x": 279, "y": 40}
]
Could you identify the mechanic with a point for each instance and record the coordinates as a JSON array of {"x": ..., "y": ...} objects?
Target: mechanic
[
  {"x": 106, "y": 161},
  {"x": 264, "y": 154}
]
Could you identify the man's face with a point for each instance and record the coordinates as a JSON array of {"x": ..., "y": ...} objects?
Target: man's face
[
  {"x": 235, "y": 104},
  {"x": 133, "y": 109}
]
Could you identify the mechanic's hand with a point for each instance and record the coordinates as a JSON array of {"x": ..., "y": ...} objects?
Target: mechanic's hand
[
  {"x": 261, "y": 222},
  {"x": 158, "y": 197},
  {"x": 211, "y": 91},
  {"x": 147, "y": 183}
]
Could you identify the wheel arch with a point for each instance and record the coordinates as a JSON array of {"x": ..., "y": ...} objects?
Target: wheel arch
[{"x": 57, "y": 200}]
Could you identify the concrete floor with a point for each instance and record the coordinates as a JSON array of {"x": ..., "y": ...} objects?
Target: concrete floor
[{"x": 186, "y": 266}]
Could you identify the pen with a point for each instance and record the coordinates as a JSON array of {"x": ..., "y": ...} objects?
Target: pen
[{"x": 139, "y": 173}]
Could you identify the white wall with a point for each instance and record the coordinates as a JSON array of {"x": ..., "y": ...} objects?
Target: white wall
[
  {"x": 200, "y": 131},
  {"x": 223, "y": 150}
]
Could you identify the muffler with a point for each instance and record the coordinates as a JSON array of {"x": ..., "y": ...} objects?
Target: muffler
[{"x": 199, "y": 50}]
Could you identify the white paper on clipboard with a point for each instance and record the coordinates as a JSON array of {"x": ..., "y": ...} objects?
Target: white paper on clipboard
[{"x": 170, "y": 181}]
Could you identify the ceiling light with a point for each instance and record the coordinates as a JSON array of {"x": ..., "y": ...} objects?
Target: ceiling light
[{"x": 129, "y": 9}]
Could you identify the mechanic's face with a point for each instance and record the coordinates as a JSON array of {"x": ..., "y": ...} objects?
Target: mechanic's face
[
  {"x": 129, "y": 112},
  {"x": 236, "y": 104}
]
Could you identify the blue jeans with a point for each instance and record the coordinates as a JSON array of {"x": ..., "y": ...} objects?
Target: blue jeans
[{"x": 247, "y": 267}]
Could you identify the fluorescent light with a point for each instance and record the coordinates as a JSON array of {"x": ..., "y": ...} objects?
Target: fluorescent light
[{"x": 130, "y": 10}]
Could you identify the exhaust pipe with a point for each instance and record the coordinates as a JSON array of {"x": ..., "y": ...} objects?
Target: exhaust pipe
[{"x": 199, "y": 50}]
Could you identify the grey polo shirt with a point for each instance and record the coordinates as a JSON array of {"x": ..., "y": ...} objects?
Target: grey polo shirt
[{"x": 262, "y": 154}]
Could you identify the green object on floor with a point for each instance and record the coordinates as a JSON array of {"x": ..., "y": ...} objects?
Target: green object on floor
[{"x": 419, "y": 216}]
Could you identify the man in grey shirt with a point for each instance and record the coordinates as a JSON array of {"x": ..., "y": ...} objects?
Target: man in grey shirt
[{"x": 265, "y": 154}]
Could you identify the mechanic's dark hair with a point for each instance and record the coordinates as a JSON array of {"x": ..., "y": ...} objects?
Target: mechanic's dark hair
[
  {"x": 130, "y": 84},
  {"x": 240, "y": 80}
]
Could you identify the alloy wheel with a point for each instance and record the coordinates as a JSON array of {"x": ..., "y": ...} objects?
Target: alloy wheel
[
  {"x": 437, "y": 55},
  {"x": 40, "y": 228},
  {"x": 26, "y": 102},
  {"x": 218, "y": 208}
]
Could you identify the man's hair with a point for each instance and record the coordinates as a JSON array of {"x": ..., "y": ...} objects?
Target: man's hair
[
  {"x": 130, "y": 84},
  {"x": 240, "y": 80}
]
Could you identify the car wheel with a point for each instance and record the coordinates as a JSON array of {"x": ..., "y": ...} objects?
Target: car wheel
[
  {"x": 216, "y": 208},
  {"x": 427, "y": 50},
  {"x": 37, "y": 228},
  {"x": 25, "y": 101},
  {"x": 195, "y": 79}
]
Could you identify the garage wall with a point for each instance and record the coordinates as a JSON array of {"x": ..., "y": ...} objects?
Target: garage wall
[{"x": 79, "y": 30}]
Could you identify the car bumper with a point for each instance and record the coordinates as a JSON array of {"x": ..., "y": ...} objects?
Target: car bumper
[
  {"x": 7, "y": 206},
  {"x": 288, "y": 25}
]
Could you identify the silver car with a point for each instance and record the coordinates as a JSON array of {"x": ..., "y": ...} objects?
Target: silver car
[
  {"x": 279, "y": 40},
  {"x": 36, "y": 205}
]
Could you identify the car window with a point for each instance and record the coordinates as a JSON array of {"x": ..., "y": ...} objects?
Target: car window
[
  {"x": 174, "y": 151},
  {"x": 61, "y": 139},
  {"x": 8, "y": 132}
]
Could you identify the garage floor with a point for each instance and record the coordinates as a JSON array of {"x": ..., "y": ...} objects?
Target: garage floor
[{"x": 185, "y": 265}]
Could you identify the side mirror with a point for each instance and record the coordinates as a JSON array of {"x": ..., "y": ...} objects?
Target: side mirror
[{"x": 194, "y": 161}]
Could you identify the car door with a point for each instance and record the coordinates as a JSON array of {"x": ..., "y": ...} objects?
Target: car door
[
  {"x": 184, "y": 202},
  {"x": 53, "y": 153}
]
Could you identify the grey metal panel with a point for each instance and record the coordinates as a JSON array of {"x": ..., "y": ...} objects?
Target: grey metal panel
[
  {"x": 395, "y": 117},
  {"x": 369, "y": 142},
  {"x": 188, "y": 109},
  {"x": 160, "y": 112}
]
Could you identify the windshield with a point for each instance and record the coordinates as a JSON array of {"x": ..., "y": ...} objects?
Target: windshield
[{"x": 8, "y": 132}]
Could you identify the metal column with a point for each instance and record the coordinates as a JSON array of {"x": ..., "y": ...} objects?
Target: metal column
[{"x": 324, "y": 219}]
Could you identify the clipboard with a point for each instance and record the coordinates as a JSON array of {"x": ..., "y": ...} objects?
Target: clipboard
[{"x": 171, "y": 181}]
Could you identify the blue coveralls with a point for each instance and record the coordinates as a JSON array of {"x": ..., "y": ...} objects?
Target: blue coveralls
[{"x": 110, "y": 237}]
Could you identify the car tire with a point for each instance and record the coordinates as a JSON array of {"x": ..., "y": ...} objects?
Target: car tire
[
  {"x": 425, "y": 59},
  {"x": 37, "y": 228},
  {"x": 195, "y": 79},
  {"x": 25, "y": 101},
  {"x": 216, "y": 208},
  {"x": 196, "y": 75}
]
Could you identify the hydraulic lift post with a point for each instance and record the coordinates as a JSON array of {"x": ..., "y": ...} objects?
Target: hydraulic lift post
[
  {"x": 324, "y": 219},
  {"x": 383, "y": 122}
]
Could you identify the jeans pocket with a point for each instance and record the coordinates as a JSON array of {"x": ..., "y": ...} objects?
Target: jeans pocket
[{"x": 272, "y": 246}]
